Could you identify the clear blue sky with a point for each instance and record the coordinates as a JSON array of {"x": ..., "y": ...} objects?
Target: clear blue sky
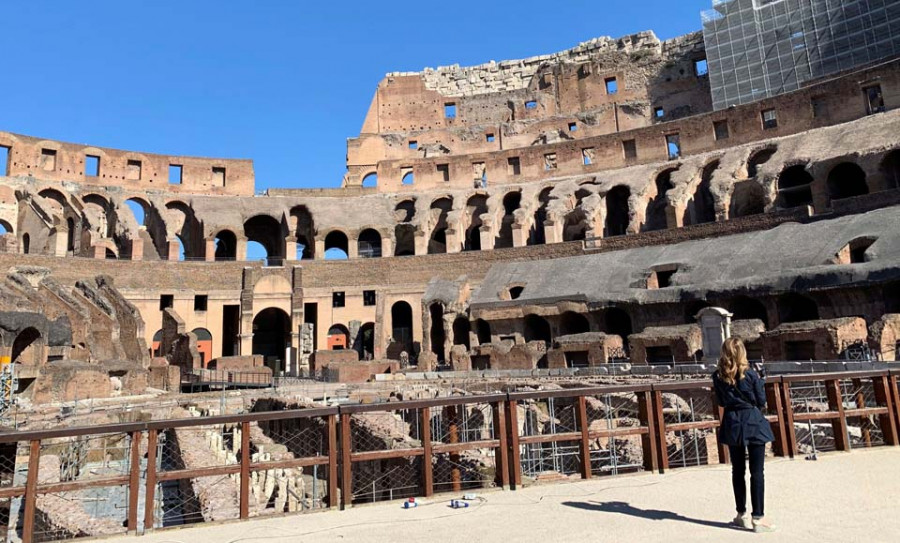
[{"x": 281, "y": 82}]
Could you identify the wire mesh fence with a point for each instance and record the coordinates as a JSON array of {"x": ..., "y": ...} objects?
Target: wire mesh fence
[
  {"x": 387, "y": 479},
  {"x": 689, "y": 419},
  {"x": 75, "y": 514},
  {"x": 617, "y": 453}
]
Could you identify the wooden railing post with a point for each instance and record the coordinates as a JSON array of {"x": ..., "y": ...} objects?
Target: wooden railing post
[
  {"x": 346, "y": 467},
  {"x": 790, "y": 430},
  {"x": 660, "y": 436},
  {"x": 501, "y": 454},
  {"x": 773, "y": 399},
  {"x": 245, "y": 470},
  {"x": 150, "y": 490},
  {"x": 34, "y": 464},
  {"x": 894, "y": 394},
  {"x": 332, "y": 461},
  {"x": 839, "y": 424},
  {"x": 452, "y": 414},
  {"x": 884, "y": 398},
  {"x": 584, "y": 425},
  {"x": 515, "y": 458},
  {"x": 719, "y": 413},
  {"x": 648, "y": 440},
  {"x": 427, "y": 468},
  {"x": 134, "y": 481}
]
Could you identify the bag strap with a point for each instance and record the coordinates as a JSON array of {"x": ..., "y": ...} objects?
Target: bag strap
[{"x": 744, "y": 396}]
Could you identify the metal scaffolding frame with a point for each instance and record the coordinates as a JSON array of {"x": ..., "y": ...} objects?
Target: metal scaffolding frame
[{"x": 761, "y": 48}]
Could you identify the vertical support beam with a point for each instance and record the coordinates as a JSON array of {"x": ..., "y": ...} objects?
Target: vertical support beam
[
  {"x": 34, "y": 464},
  {"x": 245, "y": 470},
  {"x": 864, "y": 421},
  {"x": 839, "y": 424},
  {"x": 888, "y": 421},
  {"x": 453, "y": 437},
  {"x": 332, "y": 461},
  {"x": 648, "y": 440},
  {"x": 894, "y": 394},
  {"x": 515, "y": 458},
  {"x": 501, "y": 454},
  {"x": 134, "y": 481},
  {"x": 346, "y": 467},
  {"x": 773, "y": 399},
  {"x": 584, "y": 425},
  {"x": 790, "y": 431},
  {"x": 150, "y": 494},
  {"x": 719, "y": 412},
  {"x": 660, "y": 431},
  {"x": 427, "y": 468}
]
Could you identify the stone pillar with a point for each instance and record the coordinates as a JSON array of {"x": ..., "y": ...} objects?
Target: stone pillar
[
  {"x": 245, "y": 342},
  {"x": 421, "y": 243},
  {"x": 675, "y": 215},
  {"x": 320, "y": 249},
  {"x": 137, "y": 249},
  {"x": 99, "y": 252},
  {"x": 59, "y": 242},
  {"x": 290, "y": 249},
  {"x": 519, "y": 235},
  {"x": 715, "y": 324},
  {"x": 209, "y": 250},
  {"x": 552, "y": 231},
  {"x": 487, "y": 239},
  {"x": 454, "y": 244},
  {"x": 352, "y": 248},
  {"x": 387, "y": 247},
  {"x": 240, "y": 251},
  {"x": 172, "y": 249}
]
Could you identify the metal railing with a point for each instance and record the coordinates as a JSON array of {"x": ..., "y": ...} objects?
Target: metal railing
[{"x": 92, "y": 481}]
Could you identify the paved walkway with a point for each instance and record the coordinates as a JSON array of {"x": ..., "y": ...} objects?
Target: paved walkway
[{"x": 841, "y": 497}]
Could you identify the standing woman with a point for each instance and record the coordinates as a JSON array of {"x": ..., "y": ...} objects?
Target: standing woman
[{"x": 741, "y": 392}]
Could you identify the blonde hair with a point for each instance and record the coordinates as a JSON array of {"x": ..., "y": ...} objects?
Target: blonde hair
[{"x": 733, "y": 363}]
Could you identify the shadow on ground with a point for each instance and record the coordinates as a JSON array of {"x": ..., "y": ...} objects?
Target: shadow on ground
[{"x": 624, "y": 508}]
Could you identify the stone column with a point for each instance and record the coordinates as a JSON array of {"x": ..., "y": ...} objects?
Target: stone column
[
  {"x": 290, "y": 249},
  {"x": 352, "y": 248},
  {"x": 421, "y": 243},
  {"x": 387, "y": 247},
  {"x": 209, "y": 250},
  {"x": 552, "y": 231},
  {"x": 519, "y": 235},
  {"x": 172, "y": 249},
  {"x": 137, "y": 249},
  {"x": 454, "y": 244},
  {"x": 487, "y": 238},
  {"x": 320, "y": 249},
  {"x": 240, "y": 251}
]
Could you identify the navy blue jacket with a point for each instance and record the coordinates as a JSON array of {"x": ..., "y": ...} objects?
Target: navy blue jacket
[{"x": 743, "y": 423}]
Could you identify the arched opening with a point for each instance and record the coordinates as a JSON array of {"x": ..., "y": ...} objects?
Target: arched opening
[
  {"x": 5, "y": 228},
  {"x": 461, "y": 332},
  {"x": 56, "y": 200},
  {"x": 305, "y": 232},
  {"x": 437, "y": 334},
  {"x": 747, "y": 198},
  {"x": 369, "y": 243},
  {"x": 22, "y": 351},
  {"x": 746, "y": 308},
  {"x": 268, "y": 233},
  {"x": 226, "y": 245},
  {"x": 656, "y": 208},
  {"x": 405, "y": 240},
  {"x": 437, "y": 243},
  {"x": 573, "y": 323},
  {"x": 402, "y": 326},
  {"x": 890, "y": 169},
  {"x": 794, "y": 187},
  {"x": 336, "y": 246},
  {"x": 111, "y": 255},
  {"x": 537, "y": 329},
  {"x": 847, "y": 180},
  {"x": 204, "y": 345},
  {"x": 537, "y": 236},
  {"x": 156, "y": 346},
  {"x": 483, "y": 332},
  {"x": 70, "y": 235},
  {"x": 617, "y": 211},
  {"x": 405, "y": 211},
  {"x": 26, "y": 243},
  {"x": 408, "y": 179},
  {"x": 338, "y": 337},
  {"x": 370, "y": 180},
  {"x": 759, "y": 158},
  {"x": 617, "y": 321},
  {"x": 511, "y": 202},
  {"x": 272, "y": 337},
  {"x": 256, "y": 251},
  {"x": 476, "y": 207},
  {"x": 138, "y": 210},
  {"x": 702, "y": 207},
  {"x": 365, "y": 341},
  {"x": 797, "y": 308}
]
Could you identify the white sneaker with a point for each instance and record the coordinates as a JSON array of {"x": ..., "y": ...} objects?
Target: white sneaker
[
  {"x": 742, "y": 521},
  {"x": 762, "y": 527}
]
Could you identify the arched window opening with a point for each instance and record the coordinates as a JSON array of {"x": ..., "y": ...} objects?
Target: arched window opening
[
  {"x": 226, "y": 245},
  {"x": 890, "y": 169},
  {"x": 746, "y": 308},
  {"x": 617, "y": 211},
  {"x": 22, "y": 353},
  {"x": 138, "y": 211},
  {"x": 702, "y": 207},
  {"x": 847, "y": 180},
  {"x": 575, "y": 227},
  {"x": 304, "y": 248},
  {"x": 483, "y": 332},
  {"x": 438, "y": 242},
  {"x": 111, "y": 255},
  {"x": 656, "y": 208},
  {"x": 405, "y": 211},
  {"x": 364, "y": 343},
  {"x": 537, "y": 329},
  {"x": 571, "y": 323},
  {"x": 537, "y": 235},
  {"x": 5, "y": 228},
  {"x": 305, "y": 232},
  {"x": 267, "y": 232},
  {"x": 204, "y": 345},
  {"x": 180, "y": 248},
  {"x": 402, "y": 326},
  {"x": 794, "y": 187},
  {"x": 336, "y": 246},
  {"x": 461, "y": 332},
  {"x": 747, "y": 198},
  {"x": 759, "y": 158},
  {"x": 272, "y": 337},
  {"x": 408, "y": 178},
  {"x": 405, "y": 240},
  {"x": 338, "y": 337},
  {"x": 438, "y": 337},
  {"x": 369, "y": 244},
  {"x": 797, "y": 308},
  {"x": 617, "y": 321},
  {"x": 26, "y": 244},
  {"x": 156, "y": 346},
  {"x": 256, "y": 251},
  {"x": 511, "y": 202},
  {"x": 476, "y": 206},
  {"x": 370, "y": 180},
  {"x": 70, "y": 235}
]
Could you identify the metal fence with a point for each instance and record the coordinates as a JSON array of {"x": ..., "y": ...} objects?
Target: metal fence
[{"x": 88, "y": 482}]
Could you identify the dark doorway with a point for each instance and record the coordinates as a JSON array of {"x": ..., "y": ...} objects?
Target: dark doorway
[
  {"x": 436, "y": 311},
  {"x": 402, "y": 326},
  {"x": 461, "y": 332},
  {"x": 271, "y": 337},
  {"x": 231, "y": 326}
]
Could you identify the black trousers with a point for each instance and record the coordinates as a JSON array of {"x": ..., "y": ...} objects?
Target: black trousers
[{"x": 757, "y": 479}]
